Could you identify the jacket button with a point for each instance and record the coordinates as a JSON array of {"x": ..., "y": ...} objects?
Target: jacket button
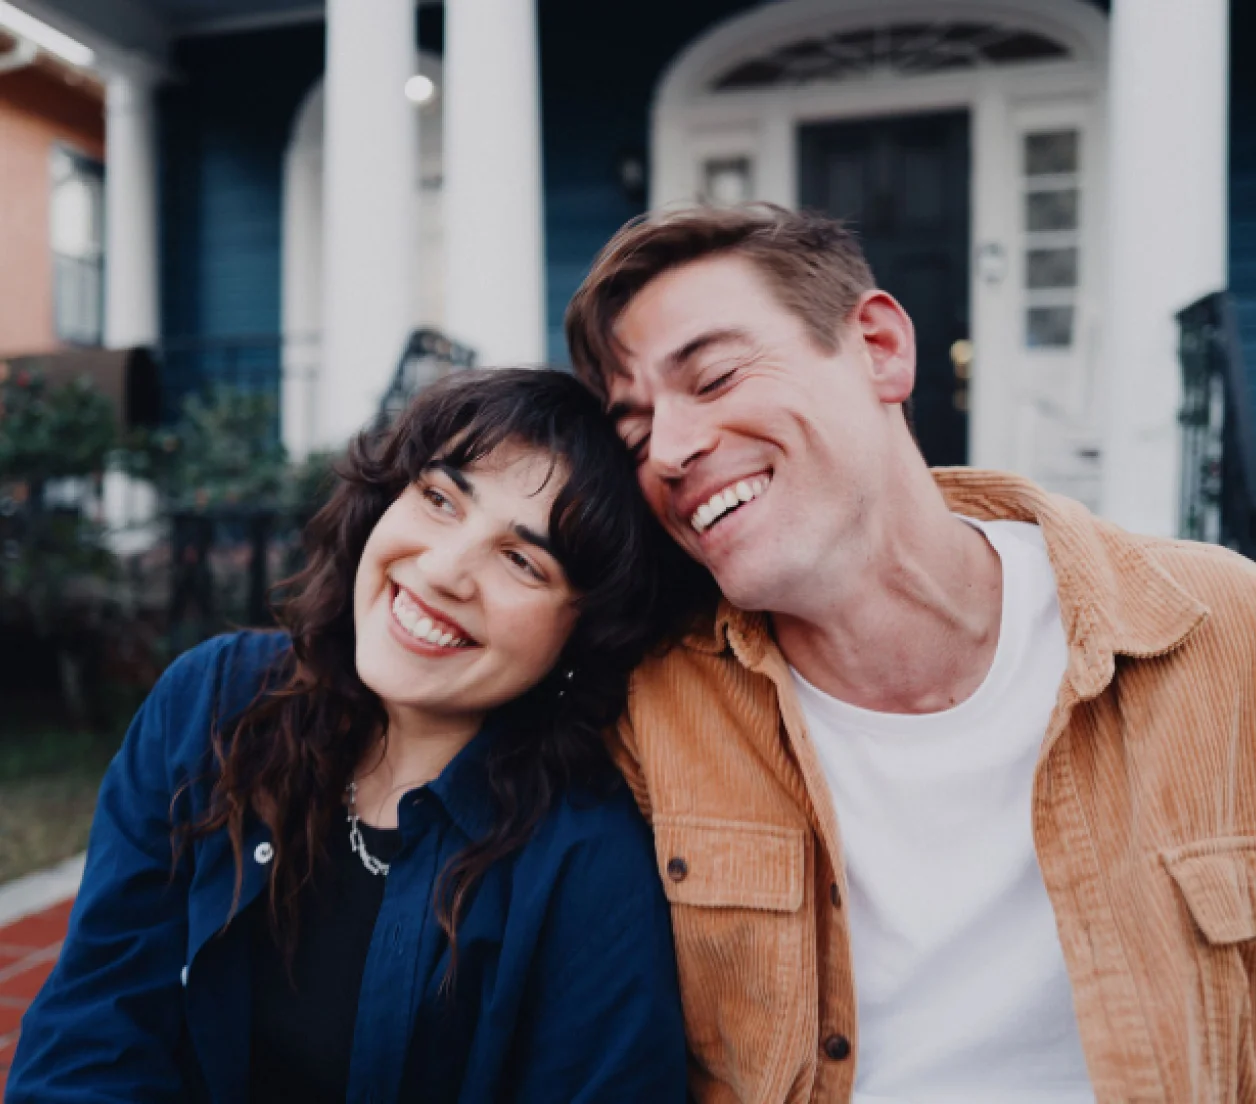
[
  {"x": 263, "y": 853},
  {"x": 837, "y": 1048},
  {"x": 835, "y": 895},
  {"x": 677, "y": 869}
]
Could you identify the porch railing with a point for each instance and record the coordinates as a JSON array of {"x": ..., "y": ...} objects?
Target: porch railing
[{"x": 1218, "y": 497}]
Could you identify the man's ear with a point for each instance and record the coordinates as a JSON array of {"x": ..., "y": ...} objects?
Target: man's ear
[{"x": 890, "y": 340}]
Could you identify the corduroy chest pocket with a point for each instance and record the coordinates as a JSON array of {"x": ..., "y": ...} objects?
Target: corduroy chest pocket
[
  {"x": 1216, "y": 879},
  {"x": 737, "y": 892}
]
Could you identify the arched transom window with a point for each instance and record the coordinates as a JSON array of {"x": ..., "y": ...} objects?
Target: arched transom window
[{"x": 903, "y": 49}]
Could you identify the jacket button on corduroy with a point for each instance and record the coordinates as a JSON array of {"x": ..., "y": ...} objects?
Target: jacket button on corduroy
[
  {"x": 263, "y": 853},
  {"x": 837, "y": 1047},
  {"x": 677, "y": 869},
  {"x": 835, "y": 895}
]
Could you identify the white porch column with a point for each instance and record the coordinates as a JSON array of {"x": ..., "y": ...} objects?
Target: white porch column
[
  {"x": 1167, "y": 221},
  {"x": 494, "y": 241},
  {"x": 370, "y": 192},
  {"x": 131, "y": 271}
]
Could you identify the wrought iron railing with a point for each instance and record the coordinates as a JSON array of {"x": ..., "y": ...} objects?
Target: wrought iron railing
[
  {"x": 1218, "y": 502},
  {"x": 428, "y": 355}
]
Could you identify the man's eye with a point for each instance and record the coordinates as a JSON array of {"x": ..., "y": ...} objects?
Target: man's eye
[{"x": 717, "y": 383}]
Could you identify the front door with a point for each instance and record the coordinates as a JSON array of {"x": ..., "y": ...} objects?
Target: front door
[{"x": 903, "y": 185}]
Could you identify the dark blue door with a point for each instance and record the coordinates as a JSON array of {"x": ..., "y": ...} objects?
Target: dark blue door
[{"x": 903, "y": 184}]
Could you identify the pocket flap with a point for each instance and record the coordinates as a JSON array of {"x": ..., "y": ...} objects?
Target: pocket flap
[
  {"x": 1217, "y": 878},
  {"x": 731, "y": 864}
]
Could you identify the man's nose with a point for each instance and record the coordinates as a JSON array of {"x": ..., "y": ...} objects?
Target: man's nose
[{"x": 679, "y": 434}]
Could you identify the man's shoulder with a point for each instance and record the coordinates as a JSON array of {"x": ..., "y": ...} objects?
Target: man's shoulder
[{"x": 1220, "y": 579}]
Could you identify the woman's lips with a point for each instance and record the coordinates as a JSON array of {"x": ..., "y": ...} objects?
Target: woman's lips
[{"x": 423, "y": 629}]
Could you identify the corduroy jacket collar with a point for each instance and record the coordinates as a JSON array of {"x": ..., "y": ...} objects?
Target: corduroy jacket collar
[{"x": 1114, "y": 599}]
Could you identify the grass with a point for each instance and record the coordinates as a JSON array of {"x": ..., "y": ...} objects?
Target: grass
[{"x": 48, "y": 782}]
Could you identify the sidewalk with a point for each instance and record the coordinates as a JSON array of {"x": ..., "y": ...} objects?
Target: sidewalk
[{"x": 31, "y": 930}]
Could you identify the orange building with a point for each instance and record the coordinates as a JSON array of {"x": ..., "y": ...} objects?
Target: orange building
[{"x": 52, "y": 152}]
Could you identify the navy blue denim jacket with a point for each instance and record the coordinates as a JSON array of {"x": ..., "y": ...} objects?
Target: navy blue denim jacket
[{"x": 566, "y": 987}]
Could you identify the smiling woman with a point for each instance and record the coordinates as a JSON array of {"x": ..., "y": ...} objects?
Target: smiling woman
[{"x": 397, "y": 815}]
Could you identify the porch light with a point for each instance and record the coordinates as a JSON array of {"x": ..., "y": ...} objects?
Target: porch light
[
  {"x": 45, "y": 37},
  {"x": 420, "y": 89}
]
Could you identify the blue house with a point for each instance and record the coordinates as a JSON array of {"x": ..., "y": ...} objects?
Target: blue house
[{"x": 293, "y": 187}]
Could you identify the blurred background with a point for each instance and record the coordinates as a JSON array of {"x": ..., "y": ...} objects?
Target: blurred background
[{"x": 232, "y": 232}]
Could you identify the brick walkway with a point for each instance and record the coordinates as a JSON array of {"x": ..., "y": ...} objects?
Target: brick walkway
[{"x": 28, "y": 948}]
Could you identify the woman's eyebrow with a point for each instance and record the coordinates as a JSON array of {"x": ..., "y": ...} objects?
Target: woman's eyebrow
[
  {"x": 456, "y": 477},
  {"x": 533, "y": 537}
]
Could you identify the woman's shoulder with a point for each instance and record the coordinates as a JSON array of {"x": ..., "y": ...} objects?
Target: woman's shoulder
[
  {"x": 234, "y": 663},
  {"x": 213, "y": 682},
  {"x": 599, "y": 831}
]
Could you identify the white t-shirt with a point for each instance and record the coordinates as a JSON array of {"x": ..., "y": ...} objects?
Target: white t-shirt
[{"x": 961, "y": 985}]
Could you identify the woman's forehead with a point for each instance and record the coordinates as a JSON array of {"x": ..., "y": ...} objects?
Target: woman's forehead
[{"x": 513, "y": 471}]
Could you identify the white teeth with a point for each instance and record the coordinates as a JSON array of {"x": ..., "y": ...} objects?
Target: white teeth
[
  {"x": 424, "y": 628},
  {"x": 729, "y": 498}
]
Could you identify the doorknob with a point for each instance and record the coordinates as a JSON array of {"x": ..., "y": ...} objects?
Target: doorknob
[
  {"x": 962, "y": 358},
  {"x": 962, "y": 363}
]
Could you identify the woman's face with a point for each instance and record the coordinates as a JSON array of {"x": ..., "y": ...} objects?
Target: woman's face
[{"x": 458, "y": 604}]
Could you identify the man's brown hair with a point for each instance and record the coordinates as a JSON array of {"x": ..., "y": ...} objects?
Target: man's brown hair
[{"x": 813, "y": 264}]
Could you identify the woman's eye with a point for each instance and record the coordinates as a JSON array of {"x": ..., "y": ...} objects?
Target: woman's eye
[
  {"x": 637, "y": 449},
  {"x": 438, "y": 499},
  {"x": 524, "y": 564}
]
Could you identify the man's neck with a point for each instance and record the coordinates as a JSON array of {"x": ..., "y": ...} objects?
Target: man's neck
[{"x": 908, "y": 622}]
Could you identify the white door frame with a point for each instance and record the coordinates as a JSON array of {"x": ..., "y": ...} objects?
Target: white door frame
[{"x": 692, "y": 124}]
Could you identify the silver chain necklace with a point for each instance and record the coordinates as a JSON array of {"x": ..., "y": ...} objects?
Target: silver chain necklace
[{"x": 356, "y": 842}]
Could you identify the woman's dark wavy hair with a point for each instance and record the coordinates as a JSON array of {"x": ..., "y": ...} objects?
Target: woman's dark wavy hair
[{"x": 289, "y": 757}]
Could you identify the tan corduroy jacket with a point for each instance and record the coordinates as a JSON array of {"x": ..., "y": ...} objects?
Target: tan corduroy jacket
[{"x": 1144, "y": 817}]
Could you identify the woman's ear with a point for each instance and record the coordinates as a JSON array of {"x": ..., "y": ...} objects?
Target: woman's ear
[{"x": 890, "y": 340}]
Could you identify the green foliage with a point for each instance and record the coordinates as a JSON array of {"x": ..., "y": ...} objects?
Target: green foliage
[
  {"x": 222, "y": 452},
  {"x": 49, "y": 558},
  {"x": 51, "y": 432}
]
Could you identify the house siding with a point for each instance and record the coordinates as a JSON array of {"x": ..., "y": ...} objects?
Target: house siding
[
  {"x": 38, "y": 110},
  {"x": 1242, "y": 214},
  {"x": 224, "y": 127}
]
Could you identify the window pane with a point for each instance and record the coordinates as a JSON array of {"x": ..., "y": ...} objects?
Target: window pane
[
  {"x": 1051, "y": 268},
  {"x": 1051, "y": 210},
  {"x": 1051, "y": 152},
  {"x": 727, "y": 182},
  {"x": 1049, "y": 327}
]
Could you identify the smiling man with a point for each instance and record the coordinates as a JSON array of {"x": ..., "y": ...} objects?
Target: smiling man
[{"x": 954, "y": 797}]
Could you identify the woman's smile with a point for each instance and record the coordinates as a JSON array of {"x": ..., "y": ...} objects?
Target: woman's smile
[{"x": 421, "y": 629}]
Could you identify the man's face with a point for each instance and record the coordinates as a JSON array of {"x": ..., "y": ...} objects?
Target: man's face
[{"x": 757, "y": 450}]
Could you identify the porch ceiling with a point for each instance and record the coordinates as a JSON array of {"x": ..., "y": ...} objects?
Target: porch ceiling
[
  {"x": 183, "y": 16},
  {"x": 147, "y": 27}
]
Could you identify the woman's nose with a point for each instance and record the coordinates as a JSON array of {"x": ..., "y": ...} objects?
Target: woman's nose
[{"x": 450, "y": 568}]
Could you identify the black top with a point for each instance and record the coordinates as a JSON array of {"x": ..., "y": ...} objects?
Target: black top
[{"x": 303, "y": 1021}]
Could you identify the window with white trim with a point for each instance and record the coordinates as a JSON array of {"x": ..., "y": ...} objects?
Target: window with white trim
[
  {"x": 1051, "y": 221},
  {"x": 78, "y": 247}
]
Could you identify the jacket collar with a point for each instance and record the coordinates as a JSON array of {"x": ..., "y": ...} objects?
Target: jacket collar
[
  {"x": 1115, "y": 599},
  {"x": 463, "y": 786}
]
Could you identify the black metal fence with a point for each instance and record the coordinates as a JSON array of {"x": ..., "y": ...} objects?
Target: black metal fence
[{"x": 1218, "y": 494}]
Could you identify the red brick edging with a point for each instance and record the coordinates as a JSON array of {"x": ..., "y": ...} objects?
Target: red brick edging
[{"x": 28, "y": 949}]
